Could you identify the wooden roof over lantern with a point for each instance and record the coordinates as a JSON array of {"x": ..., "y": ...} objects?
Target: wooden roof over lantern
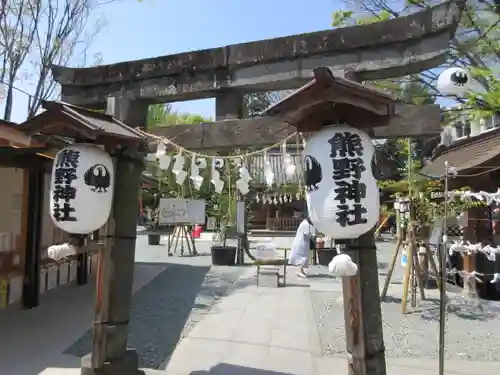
[
  {"x": 329, "y": 100},
  {"x": 76, "y": 123}
]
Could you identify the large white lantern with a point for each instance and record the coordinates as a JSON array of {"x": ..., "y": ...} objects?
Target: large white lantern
[
  {"x": 454, "y": 81},
  {"x": 81, "y": 190},
  {"x": 341, "y": 191}
]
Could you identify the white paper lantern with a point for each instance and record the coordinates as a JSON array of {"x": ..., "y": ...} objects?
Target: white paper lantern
[
  {"x": 454, "y": 81},
  {"x": 341, "y": 192},
  {"x": 290, "y": 170},
  {"x": 81, "y": 190}
]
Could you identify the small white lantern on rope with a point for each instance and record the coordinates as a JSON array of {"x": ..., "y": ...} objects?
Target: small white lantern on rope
[
  {"x": 454, "y": 81},
  {"x": 81, "y": 189},
  {"x": 341, "y": 192}
]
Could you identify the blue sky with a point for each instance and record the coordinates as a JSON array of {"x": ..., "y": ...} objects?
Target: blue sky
[
  {"x": 142, "y": 29},
  {"x": 162, "y": 27},
  {"x": 137, "y": 30}
]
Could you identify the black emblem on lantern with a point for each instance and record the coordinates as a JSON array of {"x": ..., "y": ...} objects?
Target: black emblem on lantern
[
  {"x": 98, "y": 177},
  {"x": 459, "y": 78},
  {"x": 313, "y": 173}
]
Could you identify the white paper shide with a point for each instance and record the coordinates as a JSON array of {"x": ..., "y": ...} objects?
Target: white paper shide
[
  {"x": 341, "y": 191},
  {"x": 81, "y": 190}
]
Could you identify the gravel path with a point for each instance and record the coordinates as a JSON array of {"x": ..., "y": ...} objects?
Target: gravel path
[
  {"x": 169, "y": 306},
  {"x": 473, "y": 325},
  {"x": 416, "y": 335}
]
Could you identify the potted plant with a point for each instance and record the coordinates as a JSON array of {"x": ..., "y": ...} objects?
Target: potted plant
[
  {"x": 223, "y": 255},
  {"x": 154, "y": 236}
]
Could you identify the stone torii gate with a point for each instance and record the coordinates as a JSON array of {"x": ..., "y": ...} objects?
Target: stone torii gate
[
  {"x": 381, "y": 50},
  {"x": 386, "y": 49}
]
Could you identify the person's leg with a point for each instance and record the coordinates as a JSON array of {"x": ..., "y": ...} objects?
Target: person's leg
[
  {"x": 305, "y": 266},
  {"x": 301, "y": 272}
]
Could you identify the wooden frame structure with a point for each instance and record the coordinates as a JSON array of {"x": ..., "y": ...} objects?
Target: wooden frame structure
[
  {"x": 23, "y": 271},
  {"x": 476, "y": 159},
  {"x": 25, "y": 147}
]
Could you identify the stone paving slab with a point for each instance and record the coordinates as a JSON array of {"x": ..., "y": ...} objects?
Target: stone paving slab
[
  {"x": 265, "y": 328},
  {"x": 43, "y": 333},
  {"x": 268, "y": 331},
  {"x": 250, "y": 331}
]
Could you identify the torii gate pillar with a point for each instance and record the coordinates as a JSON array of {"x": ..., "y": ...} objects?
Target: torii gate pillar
[
  {"x": 110, "y": 355},
  {"x": 228, "y": 105}
]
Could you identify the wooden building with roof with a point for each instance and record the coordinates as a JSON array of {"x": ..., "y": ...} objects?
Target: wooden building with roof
[
  {"x": 26, "y": 228},
  {"x": 477, "y": 163}
]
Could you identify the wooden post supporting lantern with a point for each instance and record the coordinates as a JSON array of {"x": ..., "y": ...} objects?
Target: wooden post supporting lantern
[
  {"x": 342, "y": 194},
  {"x": 97, "y": 175}
]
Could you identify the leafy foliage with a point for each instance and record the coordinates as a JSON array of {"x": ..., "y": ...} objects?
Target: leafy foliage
[
  {"x": 490, "y": 99},
  {"x": 255, "y": 103},
  {"x": 163, "y": 115},
  {"x": 222, "y": 206},
  {"x": 36, "y": 34},
  {"x": 476, "y": 44}
]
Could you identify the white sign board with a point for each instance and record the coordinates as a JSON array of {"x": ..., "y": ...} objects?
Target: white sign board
[
  {"x": 181, "y": 211},
  {"x": 266, "y": 251}
]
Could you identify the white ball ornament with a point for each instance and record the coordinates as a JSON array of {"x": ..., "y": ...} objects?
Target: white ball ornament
[{"x": 454, "y": 81}]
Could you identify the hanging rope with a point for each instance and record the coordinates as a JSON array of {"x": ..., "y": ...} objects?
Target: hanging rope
[{"x": 184, "y": 150}]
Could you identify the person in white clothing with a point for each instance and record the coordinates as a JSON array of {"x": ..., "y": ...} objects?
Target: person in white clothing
[{"x": 299, "y": 255}]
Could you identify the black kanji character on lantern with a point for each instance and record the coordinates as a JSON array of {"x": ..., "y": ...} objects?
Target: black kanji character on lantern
[
  {"x": 346, "y": 168},
  {"x": 64, "y": 175},
  {"x": 64, "y": 192},
  {"x": 349, "y": 217},
  {"x": 68, "y": 159},
  {"x": 352, "y": 191},
  {"x": 346, "y": 144},
  {"x": 63, "y": 213}
]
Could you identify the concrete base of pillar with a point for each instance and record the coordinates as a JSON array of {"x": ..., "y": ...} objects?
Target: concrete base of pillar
[{"x": 126, "y": 365}]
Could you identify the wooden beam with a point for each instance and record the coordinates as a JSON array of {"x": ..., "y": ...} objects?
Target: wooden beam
[
  {"x": 410, "y": 121},
  {"x": 16, "y": 137},
  {"x": 26, "y": 161},
  {"x": 392, "y": 48}
]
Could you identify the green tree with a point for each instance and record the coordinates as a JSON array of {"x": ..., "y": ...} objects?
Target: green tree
[
  {"x": 36, "y": 34},
  {"x": 256, "y": 103},
  {"x": 476, "y": 43},
  {"x": 475, "y": 46},
  {"x": 163, "y": 115}
]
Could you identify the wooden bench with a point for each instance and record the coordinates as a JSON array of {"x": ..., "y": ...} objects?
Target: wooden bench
[
  {"x": 280, "y": 278},
  {"x": 277, "y": 262}
]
